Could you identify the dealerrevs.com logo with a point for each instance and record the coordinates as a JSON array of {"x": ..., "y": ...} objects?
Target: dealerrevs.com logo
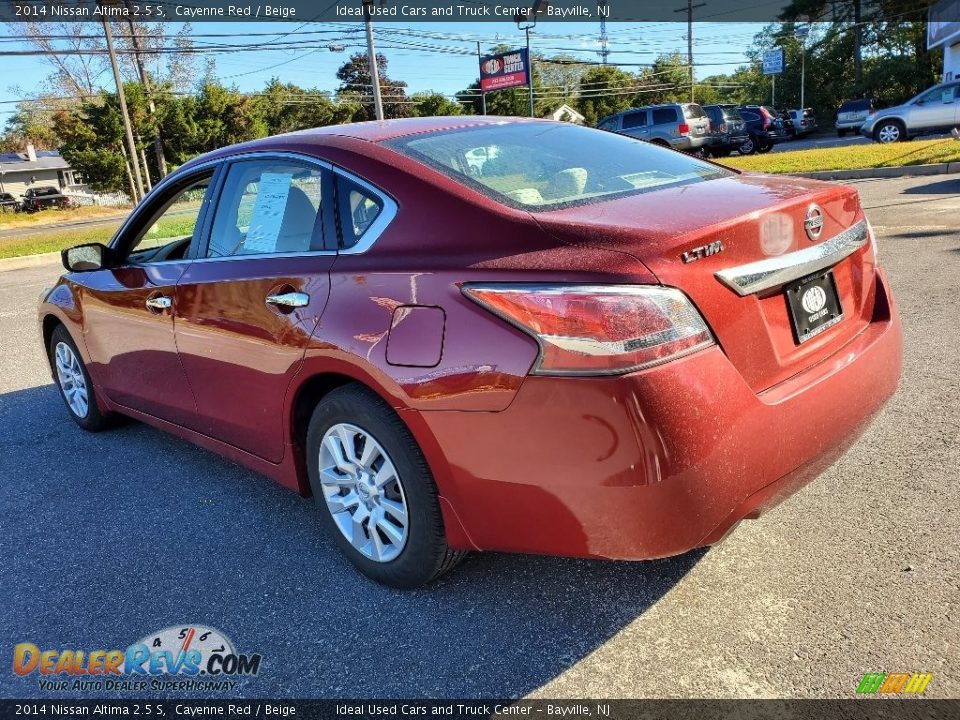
[
  {"x": 898, "y": 683},
  {"x": 204, "y": 658}
]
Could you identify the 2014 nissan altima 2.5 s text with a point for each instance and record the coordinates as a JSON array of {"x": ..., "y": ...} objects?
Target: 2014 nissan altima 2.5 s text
[{"x": 499, "y": 334}]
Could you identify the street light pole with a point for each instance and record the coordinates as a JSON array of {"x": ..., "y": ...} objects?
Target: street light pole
[
  {"x": 529, "y": 70},
  {"x": 801, "y": 34},
  {"x": 372, "y": 60}
]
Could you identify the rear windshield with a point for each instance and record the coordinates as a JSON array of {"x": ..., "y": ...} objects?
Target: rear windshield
[
  {"x": 855, "y": 106},
  {"x": 691, "y": 112},
  {"x": 536, "y": 165},
  {"x": 732, "y": 114}
]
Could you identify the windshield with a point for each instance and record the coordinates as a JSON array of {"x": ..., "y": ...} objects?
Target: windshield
[{"x": 546, "y": 165}]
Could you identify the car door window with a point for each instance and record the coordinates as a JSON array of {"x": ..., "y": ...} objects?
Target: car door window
[
  {"x": 634, "y": 120},
  {"x": 359, "y": 208},
  {"x": 266, "y": 208},
  {"x": 608, "y": 124},
  {"x": 170, "y": 230},
  {"x": 664, "y": 116}
]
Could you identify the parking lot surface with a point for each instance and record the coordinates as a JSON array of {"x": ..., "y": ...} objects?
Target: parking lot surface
[{"x": 107, "y": 538}]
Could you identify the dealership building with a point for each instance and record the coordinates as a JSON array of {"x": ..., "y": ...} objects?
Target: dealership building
[{"x": 943, "y": 30}]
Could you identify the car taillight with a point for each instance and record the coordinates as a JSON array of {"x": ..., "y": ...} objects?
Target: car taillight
[
  {"x": 723, "y": 127},
  {"x": 598, "y": 329},
  {"x": 684, "y": 129}
]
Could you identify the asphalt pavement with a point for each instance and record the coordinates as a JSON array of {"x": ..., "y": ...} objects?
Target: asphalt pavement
[{"x": 105, "y": 538}]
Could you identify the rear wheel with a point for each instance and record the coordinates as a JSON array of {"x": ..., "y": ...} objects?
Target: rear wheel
[
  {"x": 721, "y": 153},
  {"x": 764, "y": 146},
  {"x": 376, "y": 494},
  {"x": 890, "y": 131},
  {"x": 74, "y": 383},
  {"x": 841, "y": 133}
]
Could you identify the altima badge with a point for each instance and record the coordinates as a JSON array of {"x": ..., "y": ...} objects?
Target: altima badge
[
  {"x": 813, "y": 222},
  {"x": 703, "y": 251}
]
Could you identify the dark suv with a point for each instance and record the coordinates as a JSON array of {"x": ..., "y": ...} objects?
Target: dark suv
[
  {"x": 764, "y": 127},
  {"x": 8, "y": 202},
  {"x": 726, "y": 129},
  {"x": 42, "y": 198},
  {"x": 682, "y": 126}
]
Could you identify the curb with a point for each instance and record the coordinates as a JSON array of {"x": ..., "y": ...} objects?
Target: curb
[
  {"x": 25, "y": 261},
  {"x": 883, "y": 172}
]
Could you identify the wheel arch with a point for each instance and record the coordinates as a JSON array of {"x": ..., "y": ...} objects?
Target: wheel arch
[{"x": 313, "y": 384}]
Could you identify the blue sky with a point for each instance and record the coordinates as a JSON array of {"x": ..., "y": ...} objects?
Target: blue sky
[{"x": 422, "y": 54}]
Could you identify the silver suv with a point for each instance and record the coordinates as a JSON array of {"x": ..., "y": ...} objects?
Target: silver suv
[
  {"x": 933, "y": 110},
  {"x": 682, "y": 126}
]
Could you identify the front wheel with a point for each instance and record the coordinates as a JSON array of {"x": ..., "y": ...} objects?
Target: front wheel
[
  {"x": 890, "y": 132},
  {"x": 749, "y": 147},
  {"x": 377, "y": 497},
  {"x": 73, "y": 381}
]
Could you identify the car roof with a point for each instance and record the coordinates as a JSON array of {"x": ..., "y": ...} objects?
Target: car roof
[{"x": 382, "y": 130}]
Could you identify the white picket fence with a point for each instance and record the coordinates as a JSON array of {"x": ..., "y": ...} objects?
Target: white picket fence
[{"x": 102, "y": 199}]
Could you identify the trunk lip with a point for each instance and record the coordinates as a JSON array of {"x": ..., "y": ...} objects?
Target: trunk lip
[{"x": 768, "y": 273}]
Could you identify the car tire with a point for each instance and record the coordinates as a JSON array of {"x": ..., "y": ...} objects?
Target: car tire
[
  {"x": 890, "y": 131},
  {"x": 725, "y": 152},
  {"x": 764, "y": 147},
  {"x": 841, "y": 133},
  {"x": 74, "y": 383},
  {"x": 399, "y": 539},
  {"x": 748, "y": 147}
]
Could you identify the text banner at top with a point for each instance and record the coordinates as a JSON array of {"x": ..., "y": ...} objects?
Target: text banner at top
[{"x": 506, "y": 11}]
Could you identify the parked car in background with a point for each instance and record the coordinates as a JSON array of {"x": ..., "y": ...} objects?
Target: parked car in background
[
  {"x": 580, "y": 350},
  {"x": 727, "y": 129},
  {"x": 681, "y": 126},
  {"x": 803, "y": 122},
  {"x": 763, "y": 127},
  {"x": 851, "y": 114},
  {"x": 932, "y": 111},
  {"x": 8, "y": 203},
  {"x": 42, "y": 198}
]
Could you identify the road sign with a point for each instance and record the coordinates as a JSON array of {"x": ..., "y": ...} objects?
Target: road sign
[{"x": 773, "y": 62}]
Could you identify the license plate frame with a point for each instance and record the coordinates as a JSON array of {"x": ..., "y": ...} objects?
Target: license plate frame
[{"x": 813, "y": 313}]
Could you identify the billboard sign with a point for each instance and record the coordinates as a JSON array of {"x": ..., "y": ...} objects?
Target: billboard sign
[
  {"x": 773, "y": 62},
  {"x": 504, "y": 70}
]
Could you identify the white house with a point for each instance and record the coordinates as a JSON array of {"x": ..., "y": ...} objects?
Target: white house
[
  {"x": 943, "y": 30},
  {"x": 566, "y": 113},
  {"x": 36, "y": 168}
]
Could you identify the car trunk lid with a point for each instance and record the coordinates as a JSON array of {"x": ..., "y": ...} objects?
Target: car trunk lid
[{"x": 706, "y": 239}]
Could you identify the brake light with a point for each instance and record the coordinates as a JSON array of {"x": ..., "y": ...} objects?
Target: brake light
[
  {"x": 723, "y": 127},
  {"x": 684, "y": 129},
  {"x": 598, "y": 329}
]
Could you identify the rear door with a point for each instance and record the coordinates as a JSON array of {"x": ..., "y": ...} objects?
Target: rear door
[
  {"x": 635, "y": 123},
  {"x": 936, "y": 110},
  {"x": 248, "y": 305}
]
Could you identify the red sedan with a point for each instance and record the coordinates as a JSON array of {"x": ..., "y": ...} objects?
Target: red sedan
[{"x": 488, "y": 334}]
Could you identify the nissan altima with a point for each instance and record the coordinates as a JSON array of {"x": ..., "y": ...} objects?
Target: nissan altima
[{"x": 462, "y": 334}]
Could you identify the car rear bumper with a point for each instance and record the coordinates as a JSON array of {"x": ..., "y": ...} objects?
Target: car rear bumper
[{"x": 656, "y": 462}]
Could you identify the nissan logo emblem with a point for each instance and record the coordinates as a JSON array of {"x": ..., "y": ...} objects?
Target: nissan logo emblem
[{"x": 813, "y": 222}]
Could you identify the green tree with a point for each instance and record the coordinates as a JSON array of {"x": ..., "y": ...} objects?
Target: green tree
[
  {"x": 604, "y": 90},
  {"x": 357, "y": 87},
  {"x": 286, "y": 107},
  {"x": 430, "y": 104}
]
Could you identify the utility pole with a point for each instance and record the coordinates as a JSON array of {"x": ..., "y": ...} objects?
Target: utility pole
[
  {"x": 689, "y": 11},
  {"x": 372, "y": 59},
  {"x": 529, "y": 70},
  {"x": 131, "y": 145},
  {"x": 145, "y": 81},
  {"x": 857, "y": 49},
  {"x": 604, "y": 50},
  {"x": 801, "y": 34},
  {"x": 525, "y": 21},
  {"x": 483, "y": 95}
]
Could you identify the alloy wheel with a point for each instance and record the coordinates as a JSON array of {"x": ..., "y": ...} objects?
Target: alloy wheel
[
  {"x": 363, "y": 492},
  {"x": 71, "y": 379},
  {"x": 746, "y": 147},
  {"x": 889, "y": 133}
]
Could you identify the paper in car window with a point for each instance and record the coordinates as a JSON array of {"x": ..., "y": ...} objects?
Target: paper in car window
[{"x": 267, "y": 215}]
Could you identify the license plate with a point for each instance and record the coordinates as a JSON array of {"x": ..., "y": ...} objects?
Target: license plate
[{"x": 814, "y": 305}]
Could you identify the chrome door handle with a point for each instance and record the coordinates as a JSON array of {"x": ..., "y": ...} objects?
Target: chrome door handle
[
  {"x": 289, "y": 299},
  {"x": 159, "y": 303}
]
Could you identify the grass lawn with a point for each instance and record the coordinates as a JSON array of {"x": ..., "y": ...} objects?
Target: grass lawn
[
  {"x": 10, "y": 220},
  {"x": 54, "y": 240},
  {"x": 874, "y": 155}
]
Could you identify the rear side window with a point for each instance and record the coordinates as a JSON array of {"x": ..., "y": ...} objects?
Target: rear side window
[
  {"x": 268, "y": 207},
  {"x": 634, "y": 120},
  {"x": 692, "y": 112},
  {"x": 750, "y": 115},
  {"x": 732, "y": 114},
  {"x": 664, "y": 116},
  {"x": 359, "y": 208},
  {"x": 609, "y": 124}
]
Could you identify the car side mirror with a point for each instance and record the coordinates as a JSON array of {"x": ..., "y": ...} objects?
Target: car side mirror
[{"x": 85, "y": 258}]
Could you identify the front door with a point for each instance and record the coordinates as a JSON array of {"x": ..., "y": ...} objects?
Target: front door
[
  {"x": 129, "y": 309},
  {"x": 937, "y": 110},
  {"x": 247, "y": 307}
]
